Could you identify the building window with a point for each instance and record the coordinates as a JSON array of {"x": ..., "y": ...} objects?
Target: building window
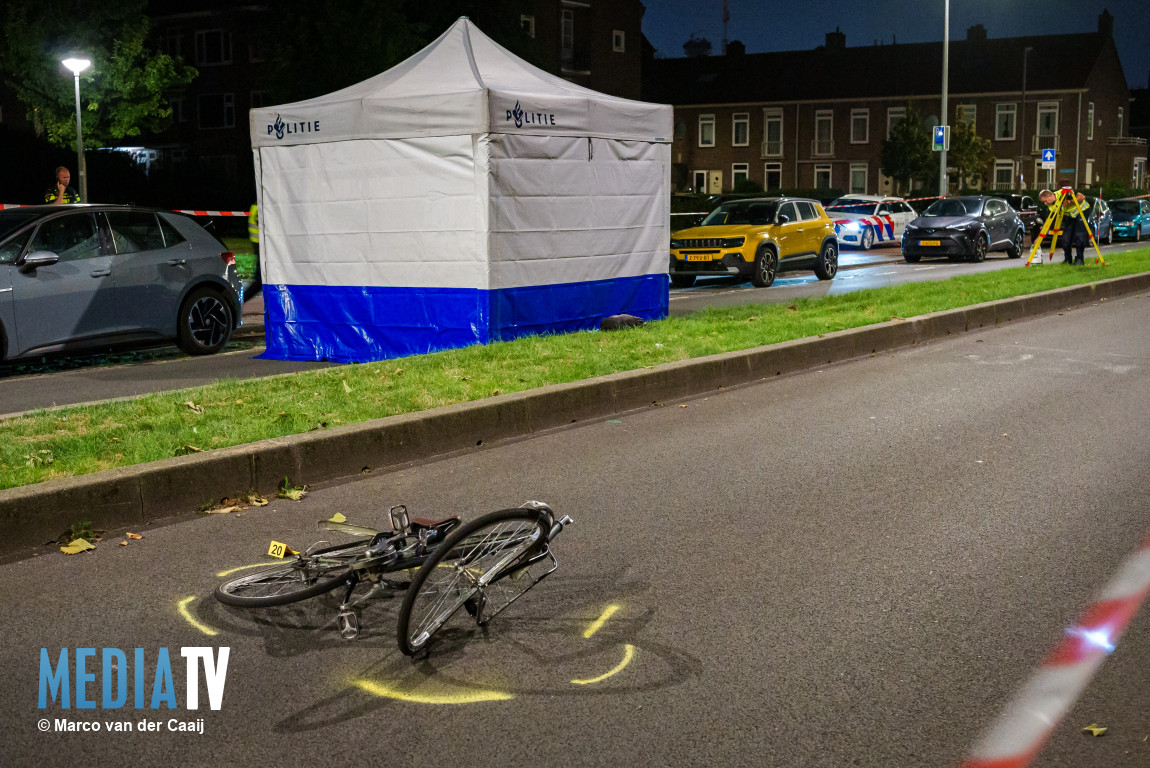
[
  {"x": 618, "y": 40},
  {"x": 172, "y": 43},
  {"x": 213, "y": 46},
  {"x": 179, "y": 108},
  {"x": 217, "y": 110},
  {"x": 700, "y": 182},
  {"x": 739, "y": 172},
  {"x": 1004, "y": 119},
  {"x": 860, "y": 126},
  {"x": 772, "y": 133},
  {"x": 822, "y": 177},
  {"x": 823, "y": 145},
  {"x": 1140, "y": 175},
  {"x": 740, "y": 129},
  {"x": 567, "y": 34},
  {"x": 256, "y": 53},
  {"x": 1089, "y": 175},
  {"x": 967, "y": 113},
  {"x": 706, "y": 130},
  {"x": 894, "y": 116},
  {"x": 1121, "y": 115},
  {"x": 772, "y": 176},
  {"x": 527, "y": 24},
  {"x": 1003, "y": 174},
  {"x": 1048, "y": 119},
  {"x": 858, "y": 178},
  {"x": 259, "y": 99}
]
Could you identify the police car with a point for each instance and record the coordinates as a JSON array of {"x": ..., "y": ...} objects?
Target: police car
[{"x": 863, "y": 220}]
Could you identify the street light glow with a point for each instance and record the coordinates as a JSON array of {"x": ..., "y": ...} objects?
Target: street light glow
[{"x": 77, "y": 65}]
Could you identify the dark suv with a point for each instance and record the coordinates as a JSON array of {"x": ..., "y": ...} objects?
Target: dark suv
[{"x": 1029, "y": 211}]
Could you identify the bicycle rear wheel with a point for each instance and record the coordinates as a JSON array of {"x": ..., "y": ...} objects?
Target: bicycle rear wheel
[
  {"x": 292, "y": 581},
  {"x": 470, "y": 560}
]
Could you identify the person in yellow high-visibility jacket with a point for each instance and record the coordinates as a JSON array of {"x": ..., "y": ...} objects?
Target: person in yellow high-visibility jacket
[{"x": 254, "y": 235}]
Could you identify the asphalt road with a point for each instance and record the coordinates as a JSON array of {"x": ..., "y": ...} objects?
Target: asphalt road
[
  {"x": 93, "y": 382},
  {"x": 853, "y": 566}
]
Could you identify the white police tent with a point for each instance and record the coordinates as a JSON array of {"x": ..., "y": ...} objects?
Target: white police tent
[{"x": 461, "y": 197}]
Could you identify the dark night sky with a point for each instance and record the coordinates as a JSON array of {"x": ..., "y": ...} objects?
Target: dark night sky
[{"x": 767, "y": 25}]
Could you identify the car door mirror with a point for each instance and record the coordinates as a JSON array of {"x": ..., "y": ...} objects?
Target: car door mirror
[
  {"x": 783, "y": 218},
  {"x": 37, "y": 259}
]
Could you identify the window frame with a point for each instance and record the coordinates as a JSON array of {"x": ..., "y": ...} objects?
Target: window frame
[
  {"x": 864, "y": 113},
  {"x": 228, "y": 109},
  {"x": 773, "y": 116},
  {"x": 891, "y": 113},
  {"x": 1003, "y": 164},
  {"x": 855, "y": 168},
  {"x": 618, "y": 41},
  {"x": 821, "y": 168},
  {"x": 769, "y": 168},
  {"x": 1006, "y": 108},
  {"x": 744, "y": 119},
  {"x": 706, "y": 120},
  {"x": 226, "y": 52},
  {"x": 737, "y": 170},
  {"x": 960, "y": 114},
  {"x": 1090, "y": 121}
]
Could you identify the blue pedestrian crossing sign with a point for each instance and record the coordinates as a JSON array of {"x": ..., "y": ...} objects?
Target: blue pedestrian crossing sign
[
  {"x": 1048, "y": 159},
  {"x": 941, "y": 138}
]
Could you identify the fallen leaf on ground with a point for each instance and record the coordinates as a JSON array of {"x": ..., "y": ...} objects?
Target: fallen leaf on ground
[
  {"x": 337, "y": 518},
  {"x": 1095, "y": 729},
  {"x": 77, "y": 546},
  {"x": 346, "y": 388},
  {"x": 296, "y": 494},
  {"x": 131, "y": 535},
  {"x": 682, "y": 406},
  {"x": 223, "y": 510},
  {"x": 184, "y": 450},
  {"x": 194, "y": 408},
  {"x": 123, "y": 543}
]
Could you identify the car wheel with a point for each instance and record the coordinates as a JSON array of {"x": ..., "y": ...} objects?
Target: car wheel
[
  {"x": 205, "y": 322},
  {"x": 1110, "y": 236},
  {"x": 910, "y": 258},
  {"x": 1015, "y": 249},
  {"x": 766, "y": 265},
  {"x": 981, "y": 246},
  {"x": 827, "y": 264},
  {"x": 682, "y": 281},
  {"x": 867, "y": 241},
  {"x": 1137, "y": 234}
]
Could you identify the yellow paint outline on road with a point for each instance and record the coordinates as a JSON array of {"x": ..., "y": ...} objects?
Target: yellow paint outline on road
[
  {"x": 221, "y": 574},
  {"x": 628, "y": 654},
  {"x": 599, "y": 622},
  {"x": 183, "y": 607},
  {"x": 462, "y": 696}
]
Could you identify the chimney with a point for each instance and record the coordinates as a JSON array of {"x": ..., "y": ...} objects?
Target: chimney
[
  {"x": 977, "y": 32},
  {"x": 1105, "y": 23},
  {"x": 836, "y": 41},
  {"x": 736, "y": 48}
]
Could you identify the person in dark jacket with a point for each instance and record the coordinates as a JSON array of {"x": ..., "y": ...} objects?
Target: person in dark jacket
[{"x": 1074, "y": 237}]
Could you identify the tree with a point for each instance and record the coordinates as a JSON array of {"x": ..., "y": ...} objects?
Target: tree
[
  {"x": 125, "y": 91},
  {"x": 319, "y": 46},
  {"x": 969, "y": 153},
  {"x": 907, "y": 155}
]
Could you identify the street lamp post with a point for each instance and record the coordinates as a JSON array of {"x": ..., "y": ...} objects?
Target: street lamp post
[
  {"x": 942, "y": 180},
  {"x": 1022, "y": 124},
  {"x": 77, "y": 66}
]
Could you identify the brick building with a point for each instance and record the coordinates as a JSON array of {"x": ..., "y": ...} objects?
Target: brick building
[{"x": 817, "y": 118}]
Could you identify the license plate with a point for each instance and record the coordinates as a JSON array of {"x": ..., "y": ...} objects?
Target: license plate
[
  {"x": 930, "y": 242},
  {"x": 698, "y": 257}
]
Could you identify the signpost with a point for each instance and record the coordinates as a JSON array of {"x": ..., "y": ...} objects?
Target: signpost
[
  {"x": 1048, "y": 160},
  {"x": 941, "y": 141}
]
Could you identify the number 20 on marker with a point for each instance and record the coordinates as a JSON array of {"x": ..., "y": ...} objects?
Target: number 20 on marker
[{"x": 277, "y": 549}]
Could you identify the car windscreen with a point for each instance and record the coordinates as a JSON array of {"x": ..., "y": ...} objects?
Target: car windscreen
[
  {"x": 954, "y": 206},
  {"x": 851, "y": 205},
  {"x": 755, "y": 213},
  {"x": 1125, "y": 207},
  {"x": 12, "y": 220}
]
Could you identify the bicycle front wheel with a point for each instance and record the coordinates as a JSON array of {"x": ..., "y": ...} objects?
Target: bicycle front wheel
[
  {"x": 295, "y": 580},
  {"x": 468, "y": 562}
]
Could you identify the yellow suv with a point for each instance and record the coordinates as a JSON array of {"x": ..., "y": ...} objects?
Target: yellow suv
[{"x": 756, "y": 239}]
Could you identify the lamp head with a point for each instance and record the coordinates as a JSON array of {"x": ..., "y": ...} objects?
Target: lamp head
[{"x": 77, "y": 65}]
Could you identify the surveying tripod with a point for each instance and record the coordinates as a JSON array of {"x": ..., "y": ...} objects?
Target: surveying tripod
[{"x": 1053, "y": 224}]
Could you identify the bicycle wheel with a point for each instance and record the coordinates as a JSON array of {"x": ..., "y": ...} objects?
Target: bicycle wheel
[
  {"x": 469, "y": 560},
  {"x": 310, "y": 575}
]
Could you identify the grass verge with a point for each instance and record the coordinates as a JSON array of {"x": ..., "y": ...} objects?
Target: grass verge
[{"x": 49, "y": 444}]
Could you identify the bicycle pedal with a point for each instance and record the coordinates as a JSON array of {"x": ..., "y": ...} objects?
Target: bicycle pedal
[
  {"x": 348, "y": 625},
  {"x": 471, "y": 605}
]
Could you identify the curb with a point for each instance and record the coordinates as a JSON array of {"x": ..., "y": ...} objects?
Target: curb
[{"x": 138, "y": 495}]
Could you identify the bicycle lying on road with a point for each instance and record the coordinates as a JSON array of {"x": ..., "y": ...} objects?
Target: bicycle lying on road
[{"x": 482, "y": 566}]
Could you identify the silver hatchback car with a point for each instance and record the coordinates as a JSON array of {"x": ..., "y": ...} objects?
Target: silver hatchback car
[{"x": 79, "y": 276}]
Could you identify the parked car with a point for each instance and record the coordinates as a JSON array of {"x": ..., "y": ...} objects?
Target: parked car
[
  {"x": 1101, "y": 220},
  {"x": 1033, "y": 216},
  {"x": 1131, "y": 218},
  {"x": 964, "y": 228},
  {"x": 81, "y": 276},
  {"x": 756, "y": 238},
  {"x": 863, "y": 220}
]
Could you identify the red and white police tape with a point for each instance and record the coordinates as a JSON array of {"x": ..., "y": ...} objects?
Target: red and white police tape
[{"x": 1015, "y": 739}]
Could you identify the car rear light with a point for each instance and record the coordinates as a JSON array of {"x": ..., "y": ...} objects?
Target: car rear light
[{"x": 229, "y": 258}]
